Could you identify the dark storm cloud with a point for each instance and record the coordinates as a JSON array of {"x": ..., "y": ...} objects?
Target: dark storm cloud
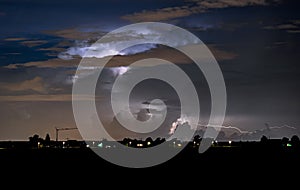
[
  {"x": 255, "y": 42},
  {"x": 37, "y": 16},
  {"x": 45, "y": 15}
]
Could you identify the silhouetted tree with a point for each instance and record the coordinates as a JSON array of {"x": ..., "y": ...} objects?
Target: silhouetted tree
[
  {"x": 159, "y": 140},
  {"x": 264, "y": 139},
  {"x": 295, "y": 141},
  {"x": 197, "y": 138},
  {"x": 127, "y": 141},
  {"x": 149, "y": 141},
  {"x": 284, "y": 141},
  {"x": 34, "y": 140},
  {"x": 47, "y": 140}
]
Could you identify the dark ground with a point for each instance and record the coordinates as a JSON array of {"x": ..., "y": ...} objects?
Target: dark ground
[
  {"x": 214, "y": 158},
  {"x": 246, "y": 164}
]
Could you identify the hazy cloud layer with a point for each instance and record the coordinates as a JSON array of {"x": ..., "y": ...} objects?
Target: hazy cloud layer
[
  {"x": 192, "y": 7},
  {"x": 51, "y": 63},
  {"x": 47, "y": 98},
  {"x": 15, "y": 39},
  {"x": 36, "y": 84},
  {"x": 290, "y": 27},
  {"x": 75, "y": 34},
  {"x": 33, "y": 43}
]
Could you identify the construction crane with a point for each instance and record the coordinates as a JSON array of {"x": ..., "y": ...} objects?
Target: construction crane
[{"x": 61, "y": 129}]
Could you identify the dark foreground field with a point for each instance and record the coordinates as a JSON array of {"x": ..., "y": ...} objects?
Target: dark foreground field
[
  {"x": 229, "y": 159},
  {"x": 252, "y": 166}
]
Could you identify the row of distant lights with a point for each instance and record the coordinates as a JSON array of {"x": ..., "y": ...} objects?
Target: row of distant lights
[
  {"x": 100, "y": 145},
  {"x": 216, "y": 142}
]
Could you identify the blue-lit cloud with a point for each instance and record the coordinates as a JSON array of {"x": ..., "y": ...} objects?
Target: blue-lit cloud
[{"x": 110, "y": 45}]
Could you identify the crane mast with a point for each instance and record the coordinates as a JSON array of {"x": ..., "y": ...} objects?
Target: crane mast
[{"x": 61, "y": 129}]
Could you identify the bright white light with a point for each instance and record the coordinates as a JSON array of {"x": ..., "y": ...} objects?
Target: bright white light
[
  {"x": 74, "y": 78},
  {"x": 140, "y": 145},
  {"x": 118, "y": 71},
  {"x": 175, "y": 124},
  {"x": 173, "y": 128}
]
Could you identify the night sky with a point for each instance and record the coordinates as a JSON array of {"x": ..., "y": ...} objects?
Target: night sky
[{"x": 256, "y": 43}]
